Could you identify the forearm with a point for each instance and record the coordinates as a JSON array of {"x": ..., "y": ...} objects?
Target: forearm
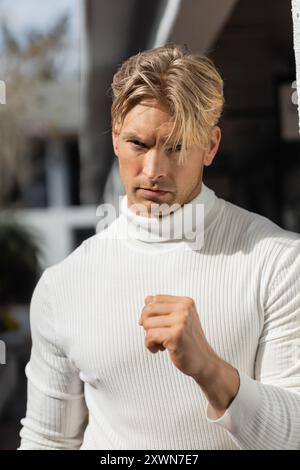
[
  {"x": 259, "y": 417},
  {"x": 53, "y": 421},
  {"x": 56, "y": 408},
  {"x": 220, "y": 384}
]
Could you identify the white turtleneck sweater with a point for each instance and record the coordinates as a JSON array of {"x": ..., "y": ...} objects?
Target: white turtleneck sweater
[{"x": 89, "y": 361}]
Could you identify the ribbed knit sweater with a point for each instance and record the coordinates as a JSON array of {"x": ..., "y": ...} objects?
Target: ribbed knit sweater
[{"x": 92, "y": 383}]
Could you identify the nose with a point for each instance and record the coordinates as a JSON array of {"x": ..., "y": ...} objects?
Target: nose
[{"x": 155, "y": 165}]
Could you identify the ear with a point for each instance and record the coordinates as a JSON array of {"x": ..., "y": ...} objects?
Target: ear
[
  {"x": 115, "y": 140},
  {"x": 215, "y": 139}
]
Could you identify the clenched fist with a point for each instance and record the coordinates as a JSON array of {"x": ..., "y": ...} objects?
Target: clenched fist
[{"x": 172, "y": 322}]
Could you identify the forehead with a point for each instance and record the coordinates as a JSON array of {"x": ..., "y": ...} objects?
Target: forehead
[{"x": 147, "y": 120}]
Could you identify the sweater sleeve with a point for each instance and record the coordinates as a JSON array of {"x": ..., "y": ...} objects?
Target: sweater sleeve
[
  {"x": 265, "y": 413},
  {"x": 56, "y": 409}
]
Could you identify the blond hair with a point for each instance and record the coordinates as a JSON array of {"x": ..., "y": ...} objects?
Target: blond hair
[{"x": 188, "y": 84}]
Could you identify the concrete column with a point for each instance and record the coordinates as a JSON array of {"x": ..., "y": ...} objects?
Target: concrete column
[{"x": 57, "y": 174}]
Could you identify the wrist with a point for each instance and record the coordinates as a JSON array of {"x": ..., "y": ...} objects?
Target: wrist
[
  {"x": 208, "y": 374},
  {"x": 220, "y": 385}
]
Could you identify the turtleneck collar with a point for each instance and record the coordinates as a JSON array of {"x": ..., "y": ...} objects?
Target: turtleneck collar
[{"x": 185, "y": 223}]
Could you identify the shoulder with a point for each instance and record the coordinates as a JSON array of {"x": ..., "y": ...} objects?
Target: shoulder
[
  {"x": 258, "y": 230},
  {"x": 273, "y": 250},
  {"x": 252, "y": 236}
]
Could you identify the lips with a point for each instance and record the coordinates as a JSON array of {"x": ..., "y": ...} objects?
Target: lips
[{"x": 158, "y": 191}]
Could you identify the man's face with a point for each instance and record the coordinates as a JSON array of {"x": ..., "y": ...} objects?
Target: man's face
[{"x": 146, "y": 164}]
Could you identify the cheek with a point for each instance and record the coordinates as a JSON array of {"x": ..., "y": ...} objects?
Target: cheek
[
  {"x": 129, "y": 163},
  {"x": 185, "y": 175},
  {"x": 127, "y": 154}
]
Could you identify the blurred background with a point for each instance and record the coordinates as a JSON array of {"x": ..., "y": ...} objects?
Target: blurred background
[{"x": 57, "y": 165}]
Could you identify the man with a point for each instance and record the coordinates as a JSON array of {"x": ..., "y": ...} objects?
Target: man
[{"x": 165, "y": 342}]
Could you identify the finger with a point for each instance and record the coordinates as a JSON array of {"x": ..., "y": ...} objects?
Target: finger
[
  {"x": 162, "y": 298},
  {"x": 156, "y": 348},
  {"x": 156, "y": 310},
  {"x": 157, "y": 337},
  {"x": 162, "y": 321}
]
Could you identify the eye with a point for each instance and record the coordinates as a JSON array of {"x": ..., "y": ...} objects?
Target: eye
[
  {"x": 177, "y": 149},
  {"x": 137, "y": 143}
]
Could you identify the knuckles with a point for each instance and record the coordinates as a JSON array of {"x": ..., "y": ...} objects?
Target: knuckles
[
  {"x": 190, "y": 302},
  {"x": 185, "y": 307}
]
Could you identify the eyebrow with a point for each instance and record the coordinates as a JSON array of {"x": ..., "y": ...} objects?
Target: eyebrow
[
  {"x": 135, "y": 135},
  {"x": 131, "y": 135}
]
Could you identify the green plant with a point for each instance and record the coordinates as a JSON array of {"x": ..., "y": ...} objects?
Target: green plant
[{"x": 19, "y": 262}]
